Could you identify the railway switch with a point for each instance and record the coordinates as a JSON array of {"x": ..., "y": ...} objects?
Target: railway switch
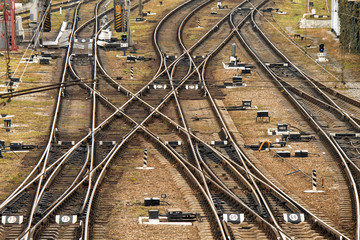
[
  {"x": 130, "y": 59},
  {"x": 157, "y": 86},
  {"x": 66, "y": 143},
  {"x": 291, "y": 136},
  {"x": 46, "y": 55},
  {"x": 340, "y": 135}
]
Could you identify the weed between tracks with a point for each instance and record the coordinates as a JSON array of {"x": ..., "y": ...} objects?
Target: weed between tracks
[
  {"x": 341, "y": 64},
  {"x": 30, "y": 123},
  {"x": 125, "y": 199}
]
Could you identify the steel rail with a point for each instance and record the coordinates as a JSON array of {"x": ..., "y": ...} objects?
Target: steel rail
[
  {"x": 215, "y": 181},
  {"x": 307, "y": 116},
  {"x": 187, "y": 52},
  {"x": 175, "y": 124},
  {"x": 50, "y": 210},
  {"x": 57, "y": 169},
  {"x": 81, "y": 172},
  {"x": 88, "y": 200},
  {"x": 330, "y": 139},
  {"x": 36, "y": 33},
  {"x": 318, "y": 83},
  {"x": 223, "y": 231},
  {"x": 314, "y": 86},
  {"x": 63, "y": 79},
  {"x": 256, "y": 190},
  {"x": 202, "y": 79},
  {"x": 52, "y": 132}
]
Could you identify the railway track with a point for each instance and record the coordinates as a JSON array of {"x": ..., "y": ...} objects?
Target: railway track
[
  {"x": 352, "y": 124},
  {"x": 226, "y": 181},
  {"x": 48, "y": 196}
]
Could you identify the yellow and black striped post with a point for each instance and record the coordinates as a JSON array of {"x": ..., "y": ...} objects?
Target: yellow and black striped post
[
  {"x": 118, "y": 15},
  {"x": 47, "y": 22}
]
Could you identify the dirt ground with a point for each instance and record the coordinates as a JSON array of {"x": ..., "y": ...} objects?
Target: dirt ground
[
  {"x": 127, "y": 198},
  {"x": 267, "y": 97}
]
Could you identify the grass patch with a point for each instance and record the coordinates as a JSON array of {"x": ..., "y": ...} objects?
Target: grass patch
[{"x": 296, "y": 9}]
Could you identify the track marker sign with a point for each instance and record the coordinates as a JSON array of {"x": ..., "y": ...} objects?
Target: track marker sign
[
  {"x": 65, "y": 219},
  {"x": 235, "y": 218},
  {"x": 12, "y": 219},
  {"x": 294, "y": 218}
]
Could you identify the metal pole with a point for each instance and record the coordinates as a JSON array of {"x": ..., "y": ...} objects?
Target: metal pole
[
  {"x": 140, "y": 8},
  {"x": 14, "y": 47}
]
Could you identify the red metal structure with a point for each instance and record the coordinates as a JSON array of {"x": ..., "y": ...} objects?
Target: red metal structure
[{"x": 8, "y": 17}]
